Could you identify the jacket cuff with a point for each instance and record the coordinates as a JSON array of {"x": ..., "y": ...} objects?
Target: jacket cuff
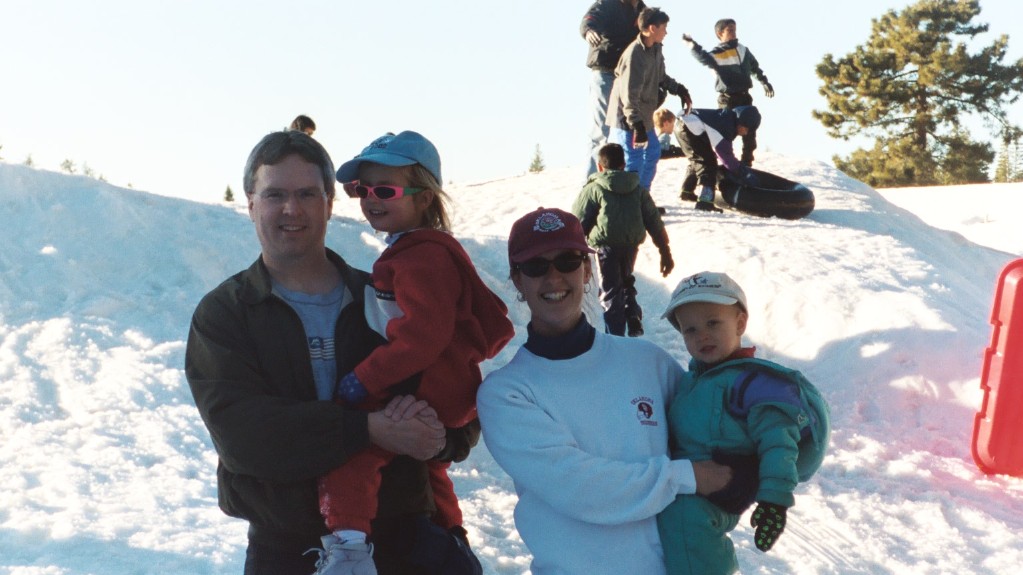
[
  {"x": 355, "y": 430},
  {"x": 684, "y": 476}
]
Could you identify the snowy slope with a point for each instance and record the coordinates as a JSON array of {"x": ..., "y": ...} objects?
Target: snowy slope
[{"x": 105, "y": 467}]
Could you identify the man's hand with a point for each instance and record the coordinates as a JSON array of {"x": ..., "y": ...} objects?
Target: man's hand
[
  {"x": 768, "y": 90},
  {"x": 710, "y": 476},
  {"x": 688, "y": 40},
  {"x": 407, "y": 427},
  {"x": 593, "y": 37}
]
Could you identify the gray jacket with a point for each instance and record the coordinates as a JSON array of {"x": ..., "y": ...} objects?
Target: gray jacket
[{"x": 639, "y": 76}]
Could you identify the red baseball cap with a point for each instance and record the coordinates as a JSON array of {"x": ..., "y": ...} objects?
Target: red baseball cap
[{"x": 544, "y": 230}]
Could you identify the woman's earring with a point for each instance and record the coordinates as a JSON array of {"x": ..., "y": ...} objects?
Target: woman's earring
[
  {"x": 520, "y": 297},
  {"x": 586, "y": 287}
]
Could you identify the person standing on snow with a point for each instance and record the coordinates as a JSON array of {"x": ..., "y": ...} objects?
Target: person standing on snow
[
  {"x": 616, "y": 215},
  {"x": 263, "y": 353},
  {"x": 639, "y": 79},
  {"x": 733, "y": 65},
  {"x": 577, "y": 418},
  {"x": 608, "y": 27}
]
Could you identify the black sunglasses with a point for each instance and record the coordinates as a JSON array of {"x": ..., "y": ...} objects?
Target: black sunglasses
[{"x": 538, "y": 267}]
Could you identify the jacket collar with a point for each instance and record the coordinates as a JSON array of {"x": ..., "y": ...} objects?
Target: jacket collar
[
  {"x": 699, "y": 368},
  {"x": 257, "y": 287}
]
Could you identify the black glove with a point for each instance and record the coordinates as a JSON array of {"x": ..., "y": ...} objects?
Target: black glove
[
  {"x": 741, "y": 491},
  {"x": 768, "y": 90},
  {"x": 749, "y": 178},
  {"x": 687, "y": 101},
  {"x": 639, "y": 138},
  {"x": 769, "y": 519},
  {"x": 667, "y": 264},
  {"x": 744, "y": 176}
]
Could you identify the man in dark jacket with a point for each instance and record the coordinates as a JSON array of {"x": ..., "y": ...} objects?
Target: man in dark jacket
[
  {"x": 608, "y": 26},
  {"x": 263, "y": 355}
]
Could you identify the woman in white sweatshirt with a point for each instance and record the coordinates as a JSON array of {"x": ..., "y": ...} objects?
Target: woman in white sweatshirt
[{"x": 577, "y": 419}]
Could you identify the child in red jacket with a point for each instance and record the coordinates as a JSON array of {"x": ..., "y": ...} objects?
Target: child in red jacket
[{"x": 440, "y": 321}]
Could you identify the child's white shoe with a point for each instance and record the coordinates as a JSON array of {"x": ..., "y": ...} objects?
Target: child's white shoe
[{"x": 340, "y": 557}]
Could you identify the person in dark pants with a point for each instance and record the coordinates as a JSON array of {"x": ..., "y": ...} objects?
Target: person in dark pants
[
  {"x": 707, "y": 135},
  {"x": 616, "y": 214},
  {"x": 733, "y": 66},
  {"x": 264, "y": 352}
]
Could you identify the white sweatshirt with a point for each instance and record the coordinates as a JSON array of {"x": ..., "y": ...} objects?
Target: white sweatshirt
[{"x": 586, "y": 442}]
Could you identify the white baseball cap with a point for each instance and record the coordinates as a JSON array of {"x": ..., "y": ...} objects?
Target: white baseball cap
[{"x": 711, "y": 287}]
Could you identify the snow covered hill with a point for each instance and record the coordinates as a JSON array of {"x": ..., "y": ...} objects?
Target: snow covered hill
[{"x": 105, "y": 467}]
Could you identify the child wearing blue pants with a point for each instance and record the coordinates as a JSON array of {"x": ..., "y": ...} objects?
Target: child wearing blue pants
[{"x": 639, "y": 79}]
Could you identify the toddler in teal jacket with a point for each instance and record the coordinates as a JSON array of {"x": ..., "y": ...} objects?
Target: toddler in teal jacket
[{"x": 766, "y": 421}]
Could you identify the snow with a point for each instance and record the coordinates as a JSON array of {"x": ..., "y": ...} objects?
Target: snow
[{"x": 881, "y": 298}]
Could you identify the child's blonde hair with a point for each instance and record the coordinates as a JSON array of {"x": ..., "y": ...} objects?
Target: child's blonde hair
[
  {"x": 662, "y": 115},
  {"x": 436, "y": 215}
]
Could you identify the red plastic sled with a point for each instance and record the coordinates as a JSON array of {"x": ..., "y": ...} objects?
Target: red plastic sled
[{"x": 998, "y": 426}]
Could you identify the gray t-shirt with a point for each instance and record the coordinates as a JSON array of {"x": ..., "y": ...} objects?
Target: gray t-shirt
[{"x": 319, "y": 313}]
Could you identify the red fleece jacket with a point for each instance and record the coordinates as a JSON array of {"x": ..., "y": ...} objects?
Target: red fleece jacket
[{"x": 450, "y": 322}]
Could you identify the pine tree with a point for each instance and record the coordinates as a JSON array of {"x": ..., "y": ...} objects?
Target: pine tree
[
  {"x": 28, "y": 161},
  {"x": 910, "y": 87},
  {"x": 68, "y": 166},
  {"x": 228, "y": 195},
  {"x": 1009, "y": 165},
  {"x": 1017, "y": 163},
  {"x": 537, "y": 165}
]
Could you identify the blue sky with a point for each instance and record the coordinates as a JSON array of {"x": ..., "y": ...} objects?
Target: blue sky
[{"x": 171, "y": 96}]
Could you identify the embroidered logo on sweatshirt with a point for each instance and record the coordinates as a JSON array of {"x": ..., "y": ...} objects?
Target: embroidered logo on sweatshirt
[{"x": 645, "y": 411}]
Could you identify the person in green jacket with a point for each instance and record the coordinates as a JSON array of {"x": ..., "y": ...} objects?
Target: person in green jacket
[
  {"x": 617, "y": 213},
  {"x": 764, "y": 420}
]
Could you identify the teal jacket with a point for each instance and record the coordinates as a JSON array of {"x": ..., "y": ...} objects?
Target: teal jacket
[
  {"x": 616, "y": 211},
  {"x": 752, "y": 406}
]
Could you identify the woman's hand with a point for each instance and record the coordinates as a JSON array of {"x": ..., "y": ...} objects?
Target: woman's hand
[{"x": 710, "y": 476}]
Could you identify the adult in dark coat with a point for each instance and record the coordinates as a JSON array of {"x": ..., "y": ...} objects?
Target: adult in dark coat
[
  {"x": 608, "y": 27},
  {"x": 261, "y": 367}
]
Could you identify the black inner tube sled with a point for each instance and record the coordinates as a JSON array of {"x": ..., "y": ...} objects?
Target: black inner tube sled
[{"x": 772, "y": 196}]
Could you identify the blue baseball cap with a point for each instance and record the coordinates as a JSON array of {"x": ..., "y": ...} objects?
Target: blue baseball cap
[{"x": 404, "y": 149}]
